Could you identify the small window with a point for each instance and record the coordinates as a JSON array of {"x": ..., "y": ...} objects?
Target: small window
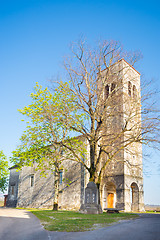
[
  {"x": 62, "y": 152},
  {"x": 32, "y": 180},
  {"x": 129, "y": 88},
  {"x": 60, "y": 177},
  {"x": 134, "y": 91},
  {"x": 106, "y": 91},
  {"x": 113, "y": 86},
  {"x": 12, "y": 189}
]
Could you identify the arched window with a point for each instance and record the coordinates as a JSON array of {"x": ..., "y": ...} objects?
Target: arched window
[
  {"x": 134, "y": 91},
  {"x": 106, "y": 91},
  {"x": 113, "y": 86},
  {"x": 129, "y": 88}
]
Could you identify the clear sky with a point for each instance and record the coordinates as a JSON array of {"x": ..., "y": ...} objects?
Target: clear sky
[{"x": 35, "y": 35}]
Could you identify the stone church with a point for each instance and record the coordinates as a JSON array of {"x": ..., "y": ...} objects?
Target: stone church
[{"x": 122, "y": 182}]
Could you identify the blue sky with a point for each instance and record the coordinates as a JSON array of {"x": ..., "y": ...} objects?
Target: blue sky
[{"x": 35, "y": 35}]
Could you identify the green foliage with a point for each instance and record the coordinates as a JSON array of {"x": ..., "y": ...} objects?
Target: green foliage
[
  {"x": 3, "y": 171},
  {"x": 47, "y": 128},
  {"x": 48, "y": 133},
  {"x": 70, "y": 221}
]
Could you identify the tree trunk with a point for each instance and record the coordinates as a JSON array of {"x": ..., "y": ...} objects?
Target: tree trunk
[
  {"x": 98, "y": 182},
  {"x": 101, "y": 195},
  {"x": 55, "y": 206},
  {"x": 98, "y": 187},
  {"x": 56, "y": 188}
]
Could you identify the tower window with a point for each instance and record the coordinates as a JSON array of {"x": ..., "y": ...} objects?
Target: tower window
[
  {"x": 106, "y": 91},
  {"x": 113, "y": 86},
  {"x": 129, "y": 88},
  {"x": 134, "y": 91}
]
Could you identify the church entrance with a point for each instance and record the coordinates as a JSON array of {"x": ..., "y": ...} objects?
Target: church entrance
[
  {"x": 109, "y": 195},
  {"x": 110, "y": 200}
]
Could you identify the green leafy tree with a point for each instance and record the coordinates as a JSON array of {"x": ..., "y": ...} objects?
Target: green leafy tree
[
  {"x": 47, "y": 130},
  {"x": 3, "y": 172}
]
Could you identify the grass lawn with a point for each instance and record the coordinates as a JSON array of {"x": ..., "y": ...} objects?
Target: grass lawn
[{"x": 70, "y": 221}]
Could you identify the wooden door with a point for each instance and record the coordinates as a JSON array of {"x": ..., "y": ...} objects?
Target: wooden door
[{"x": 110, "y": 200}]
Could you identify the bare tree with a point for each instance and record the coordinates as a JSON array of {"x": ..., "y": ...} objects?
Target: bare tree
[{"x": 108, "y": 93}]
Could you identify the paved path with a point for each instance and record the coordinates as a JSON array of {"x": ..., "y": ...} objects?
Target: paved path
[
  {"x": 23, "y": 225},
  {"x": 20, "y": 225}
]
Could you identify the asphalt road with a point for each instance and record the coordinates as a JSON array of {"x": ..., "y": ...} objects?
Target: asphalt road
[{"x": 22, "y": 225}]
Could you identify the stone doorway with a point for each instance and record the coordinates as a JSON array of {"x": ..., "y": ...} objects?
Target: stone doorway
[
  {"x": 109, "y": 195},
  {"x": 134, "y": 197},
  {"x": 110, "y": 200}
]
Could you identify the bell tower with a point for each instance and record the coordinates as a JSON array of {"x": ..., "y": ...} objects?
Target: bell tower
[{"x": 123, "y": 178}]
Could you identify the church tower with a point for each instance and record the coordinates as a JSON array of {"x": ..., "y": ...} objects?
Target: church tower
[{"x": 123, "y": 178}]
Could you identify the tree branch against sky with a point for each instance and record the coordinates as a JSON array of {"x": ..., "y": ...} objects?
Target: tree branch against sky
[{"x": 111, "y": 125}]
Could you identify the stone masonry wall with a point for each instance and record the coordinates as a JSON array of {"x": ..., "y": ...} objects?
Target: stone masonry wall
[
  {"x": 40, "y": 195},
  {"x": 37, "y": 194}
]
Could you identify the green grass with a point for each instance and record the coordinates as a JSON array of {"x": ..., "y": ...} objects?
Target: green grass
[
  {"x": 70, "y": 221},
  {"x": 1, "y": 203},
  {"x": 154, "y": 212}
]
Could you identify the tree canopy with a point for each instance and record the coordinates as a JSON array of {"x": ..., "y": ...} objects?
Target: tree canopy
[{"x": 47, "y": 129}]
